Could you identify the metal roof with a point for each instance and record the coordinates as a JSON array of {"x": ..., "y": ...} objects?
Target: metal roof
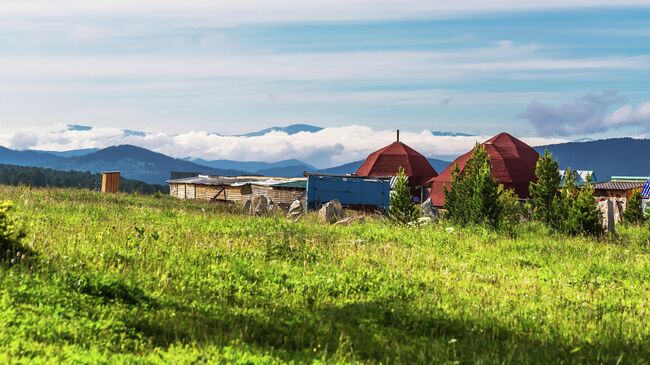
[
  {"x": 629, "y": 178},
  {"x": 299, "y": 184},
  {"x": 204, "y": 180},
  {"x": 386, "y": 161},
  {"x": 513, "y": 165},
  {"x": 618, "y": 185},
  {"x": 241, "y": 181}
]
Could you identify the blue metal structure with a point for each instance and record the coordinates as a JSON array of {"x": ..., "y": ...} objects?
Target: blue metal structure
[{"x": 352, "y": 191}]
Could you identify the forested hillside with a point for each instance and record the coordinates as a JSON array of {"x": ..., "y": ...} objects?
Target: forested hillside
[{"x": 42, "y": 177}]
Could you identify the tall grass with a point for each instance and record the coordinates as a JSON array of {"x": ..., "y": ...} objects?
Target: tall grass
[{"x": 136, "y": 279}]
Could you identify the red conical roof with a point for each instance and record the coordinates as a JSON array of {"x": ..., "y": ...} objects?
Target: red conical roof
[
  {"x": 513, "y": 165},
  {"x": 386, "y": 161}
]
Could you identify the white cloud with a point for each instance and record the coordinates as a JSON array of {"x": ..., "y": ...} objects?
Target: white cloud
[
  {"x": 224, "y": 12},
  {"x": 588, "y": 114},
  {"x": 384, "y": 65},
  {"x": 328, "y": 147},
  {"x": 629, "y": 115}
]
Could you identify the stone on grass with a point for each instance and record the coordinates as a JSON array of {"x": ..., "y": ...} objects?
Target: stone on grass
[
  {"x": 428, "y": 210},
  {"x": 331, "y": 212},
  {"x": 260, "y": 205},
  {"x": 296, "y": 209},
  {"x": 344, "y": 221}
]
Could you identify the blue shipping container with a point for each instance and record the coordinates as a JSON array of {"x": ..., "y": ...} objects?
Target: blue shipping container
[{"x": 351, "y": 191}]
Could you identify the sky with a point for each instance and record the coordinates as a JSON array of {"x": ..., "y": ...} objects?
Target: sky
[{"x": 543, "y": 70}]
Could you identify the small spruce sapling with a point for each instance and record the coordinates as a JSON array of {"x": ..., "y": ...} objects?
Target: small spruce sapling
[
  {"x": 544, "y": 192},
  {"x": 584, "y": 216},
  {"x": 633, "y": 213},
  {"x": 402, "y": 209},
  {"x": 473, "y": 197}
]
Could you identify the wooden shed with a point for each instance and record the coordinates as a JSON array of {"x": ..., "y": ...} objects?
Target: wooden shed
[
  {"x": 208, "y": 188},
  {"x": 110, "y": 182},
  {"x": 617, "y": 189},
  {"x": 282, "y": 193},
  {"x": 238, "y": 189}
]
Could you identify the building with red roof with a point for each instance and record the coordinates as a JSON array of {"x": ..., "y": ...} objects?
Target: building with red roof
[
  {"x": 386, "y": 161},
  {"x": 513, "y": 165}
]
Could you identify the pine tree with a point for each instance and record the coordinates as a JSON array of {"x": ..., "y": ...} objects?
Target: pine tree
[
  {"x": 545, "y": 191},
  {"x": 454, "y": 202},
  {"x": 402, "y": 209},
  {"x": 473, "y": 197},
  {"x": 633, "y": 213},
  {"x": 583, "y": 215},
  {"x": 567, "y": 197}
]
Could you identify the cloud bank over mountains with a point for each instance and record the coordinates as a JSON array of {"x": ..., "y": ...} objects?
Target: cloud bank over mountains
[
  {"x": 589, "y": 114},
  {"x": 324, "y": 148}
]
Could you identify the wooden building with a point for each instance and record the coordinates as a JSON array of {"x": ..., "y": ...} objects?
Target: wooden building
[
  {"x": 110, "y": 182},
  {"x": 282, "y": 193},
  {"x": 617, "y": 189},
  {"x": 238, "y": 189}
]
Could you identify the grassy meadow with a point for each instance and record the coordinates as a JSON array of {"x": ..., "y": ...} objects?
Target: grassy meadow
[{"x": 149, "y": 279}]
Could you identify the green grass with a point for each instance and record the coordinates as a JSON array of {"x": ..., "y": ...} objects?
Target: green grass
[{"x": 134, "y": 279}]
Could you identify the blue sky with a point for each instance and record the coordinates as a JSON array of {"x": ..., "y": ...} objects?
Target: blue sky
[{"x": 555, "y": 69}]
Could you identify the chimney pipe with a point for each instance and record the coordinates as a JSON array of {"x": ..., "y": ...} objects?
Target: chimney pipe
[{"x": 398, "y": 135}]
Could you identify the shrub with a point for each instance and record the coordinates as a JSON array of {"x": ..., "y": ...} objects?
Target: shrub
[
  {"x": 545, "y": 191},
  {"x": 10, "y": 232},
  {"x": 473, "y": 197},
  {"x": 583, "y": 214},
  {"x": 402, "y": 209},
  {"x": 562, "y": 207},
  {"x": 633, "y": 213},
  {"x": 513, "y": 211}
]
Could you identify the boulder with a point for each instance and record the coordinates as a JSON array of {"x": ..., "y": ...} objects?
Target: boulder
[
  {"x": 247, "y": 207},
  {"x": 608, "y": 219},
  {"x": 274, "y": 208},
  {"x": 344, "y": 221},
  {"x": 429, "y": 211},
  {"x": 260, "y": 205},
  {"x": 331, "y": 212},
  {"x": 296, "y": 209}
]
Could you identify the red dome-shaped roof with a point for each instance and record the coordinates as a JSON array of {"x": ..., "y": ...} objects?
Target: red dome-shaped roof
[
  {"x": 386, "y": 161},
  {"x": 513, "y": 165}
]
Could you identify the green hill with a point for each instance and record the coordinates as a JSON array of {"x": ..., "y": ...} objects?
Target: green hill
[
  {"x": 42, "y": 177},
  {"x": 148, "y": 279}
]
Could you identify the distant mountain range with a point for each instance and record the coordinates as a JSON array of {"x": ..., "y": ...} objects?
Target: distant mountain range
[
  {"x": 451, "y": 134},
  {"x": 352, "y": 167},
  {"x": 619, "y": 156},
  {"x": 134, "y": 162},
  {"x": 251, "y": 166},
  {"x": 290, "y": 130},
  {"x": 606, "y": 157},
  {"x": 72, "y": 153}
]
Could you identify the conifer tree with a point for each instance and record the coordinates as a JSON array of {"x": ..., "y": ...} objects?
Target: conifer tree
[
  {"x": 567, "y": 197},
  {"x": 583, "y": 215},
  {"x": 454, "y": 202},
  {"x": 545, "y": 192},
  {"x": 402, "y": 209},
  {"x": 633, "y": 213},
  {"x": 474, "y": 194}
]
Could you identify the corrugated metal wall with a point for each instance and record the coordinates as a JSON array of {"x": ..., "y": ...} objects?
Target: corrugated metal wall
[{"x": 349, "y": 191}]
